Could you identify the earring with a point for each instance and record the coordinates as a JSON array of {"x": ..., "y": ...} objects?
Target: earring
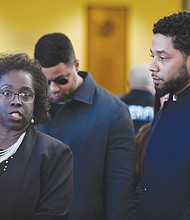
[{"x": 32, "y": 119}]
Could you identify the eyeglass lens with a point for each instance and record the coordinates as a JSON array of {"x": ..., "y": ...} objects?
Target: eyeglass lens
[{"x": 25, "y": 96}]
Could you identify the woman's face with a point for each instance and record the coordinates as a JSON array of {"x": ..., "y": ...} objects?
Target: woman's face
[{"x": 16, "y": 113}]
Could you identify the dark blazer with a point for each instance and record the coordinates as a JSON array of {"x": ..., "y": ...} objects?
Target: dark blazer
[
  {"x": 98, "y": 128},
  {"x": 164, "y": 192},
  {"x": 38, "y": 181}
]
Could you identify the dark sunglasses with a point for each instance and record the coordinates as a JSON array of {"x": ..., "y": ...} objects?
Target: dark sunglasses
[{"x": 60, "y": 80}]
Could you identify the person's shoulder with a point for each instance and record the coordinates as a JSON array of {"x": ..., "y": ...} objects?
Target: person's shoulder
[
  {"x": 108, "y": 97},
  {"x": 47, "y": 141},
  {"x": 102, "y": 98},
  {"x": 126, "y": 98}
]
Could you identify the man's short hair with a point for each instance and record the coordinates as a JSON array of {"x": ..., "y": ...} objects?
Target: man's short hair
[
  {"x": 54, "y": 48},
  {"x": 176, "y": 26}
]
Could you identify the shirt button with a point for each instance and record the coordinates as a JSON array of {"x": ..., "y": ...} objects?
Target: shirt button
[{"x": 143, "y": 189}]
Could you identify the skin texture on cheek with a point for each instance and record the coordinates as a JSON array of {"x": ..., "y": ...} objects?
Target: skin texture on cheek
[{"x": 175, "y": 84}]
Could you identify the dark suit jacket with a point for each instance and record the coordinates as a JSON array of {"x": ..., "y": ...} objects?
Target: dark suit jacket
[
  {"x": 38, "y": 181},
  {"x": 164, "y": 191}
]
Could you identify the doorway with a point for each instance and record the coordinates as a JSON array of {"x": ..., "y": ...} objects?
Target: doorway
[{"x": 107, "y": 47}]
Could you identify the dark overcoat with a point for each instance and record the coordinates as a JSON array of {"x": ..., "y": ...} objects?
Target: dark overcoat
[{"x": 98, "y": 128}]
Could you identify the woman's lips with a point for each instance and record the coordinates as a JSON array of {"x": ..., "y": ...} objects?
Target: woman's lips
[{"x": 15, "y": 116}]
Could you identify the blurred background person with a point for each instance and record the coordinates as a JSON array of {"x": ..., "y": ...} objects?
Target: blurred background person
[
  {"x": 35, "y": 169},
  {"x": 140, "y": 99},
  {"x": 141, "y": 139}
]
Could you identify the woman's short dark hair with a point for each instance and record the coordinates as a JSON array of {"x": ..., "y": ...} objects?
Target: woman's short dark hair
[{"x": 21, "y": 61}]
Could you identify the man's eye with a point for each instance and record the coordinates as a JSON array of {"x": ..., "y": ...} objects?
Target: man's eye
[{"x": 163, "y": 58}]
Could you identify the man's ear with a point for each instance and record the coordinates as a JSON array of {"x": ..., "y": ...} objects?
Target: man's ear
[
  {"x": 188, "y": 64},
  {"x": 77, "y": 65}
]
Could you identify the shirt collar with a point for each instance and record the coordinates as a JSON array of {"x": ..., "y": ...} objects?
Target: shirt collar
[
  {"x": 174, "y": 99},
  {"x": 86, "y": 91}
]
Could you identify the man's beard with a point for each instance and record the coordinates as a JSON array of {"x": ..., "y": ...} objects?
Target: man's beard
[{"x": 175, "y": 84}]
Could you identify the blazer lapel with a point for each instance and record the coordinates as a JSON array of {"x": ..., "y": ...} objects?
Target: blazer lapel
[{"x": 11, "y": 179}]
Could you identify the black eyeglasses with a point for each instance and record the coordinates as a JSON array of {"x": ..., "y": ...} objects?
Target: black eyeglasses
[
  {"x": 7, "y": 95},
  {"x": 60, "y": 80}
]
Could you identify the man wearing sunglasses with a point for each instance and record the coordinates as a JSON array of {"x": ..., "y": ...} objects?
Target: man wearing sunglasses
[{"x": 98, "y": 128}]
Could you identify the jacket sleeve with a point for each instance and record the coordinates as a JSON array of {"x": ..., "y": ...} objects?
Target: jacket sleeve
[
  {"x": 133, "y": 207},
  {"x": 120, "y": 172},
  {"x": 56, "y": 185}
]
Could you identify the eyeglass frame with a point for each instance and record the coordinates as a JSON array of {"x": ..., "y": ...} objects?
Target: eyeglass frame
[{"x": 12, "y": 96}]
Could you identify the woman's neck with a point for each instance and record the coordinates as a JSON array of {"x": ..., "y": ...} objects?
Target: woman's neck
[{"x": 8, "y": 138}]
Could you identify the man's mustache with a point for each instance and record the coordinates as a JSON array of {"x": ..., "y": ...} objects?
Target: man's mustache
[{"x": 155, "y": 74}]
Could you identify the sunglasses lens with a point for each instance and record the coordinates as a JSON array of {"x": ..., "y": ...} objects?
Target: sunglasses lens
[
  {"x": 62, "y": 81},
  {"x": 59, "y": 81}
]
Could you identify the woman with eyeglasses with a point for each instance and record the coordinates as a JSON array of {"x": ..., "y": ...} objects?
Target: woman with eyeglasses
[{"x": 35, "y": 169}]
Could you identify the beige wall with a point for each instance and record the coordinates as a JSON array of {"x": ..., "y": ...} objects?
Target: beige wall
[{"x": 23, "y": 22}]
